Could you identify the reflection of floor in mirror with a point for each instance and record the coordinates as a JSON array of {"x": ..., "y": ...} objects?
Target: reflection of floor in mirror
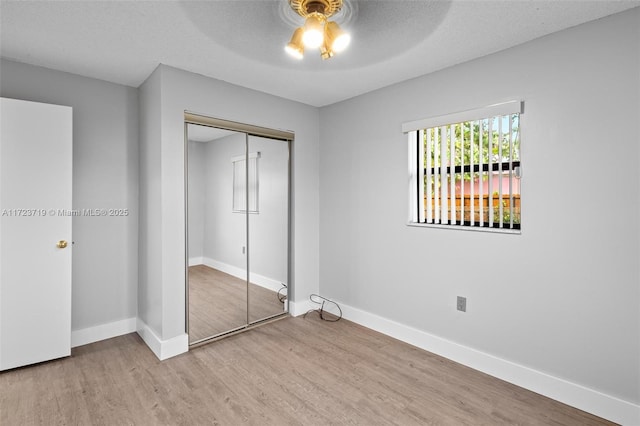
[{"x": 218, "y": 302}]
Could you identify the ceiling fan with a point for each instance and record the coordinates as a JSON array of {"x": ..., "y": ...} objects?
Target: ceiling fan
[{"x": 317, "y": 31}]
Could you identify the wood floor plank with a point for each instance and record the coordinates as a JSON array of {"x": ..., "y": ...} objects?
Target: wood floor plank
[
  {"x": 296, "y": 371},
  {"x": 218, "y": 302}
]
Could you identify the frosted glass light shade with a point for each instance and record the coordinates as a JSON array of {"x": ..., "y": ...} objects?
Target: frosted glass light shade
[
  {"x": 295, "y": 47},
  {"x": 313, "y": 32},
  {"x": 338, "y": 40}
]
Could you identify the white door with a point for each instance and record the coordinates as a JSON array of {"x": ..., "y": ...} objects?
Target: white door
[{"x": 35, "y": 223}]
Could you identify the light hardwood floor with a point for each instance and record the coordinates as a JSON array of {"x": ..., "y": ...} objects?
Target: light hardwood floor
[
  {"x": 296, "y": 371},
  {"x": 218, "y": 302}
]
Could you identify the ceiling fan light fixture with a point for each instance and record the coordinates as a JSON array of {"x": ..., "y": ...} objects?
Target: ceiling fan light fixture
[
  {"x": 295, "y": 47},
  {"x": 318, "y": 31},
  {"x": 313, "y": 36},
  {"x": 337, "y": 39}
]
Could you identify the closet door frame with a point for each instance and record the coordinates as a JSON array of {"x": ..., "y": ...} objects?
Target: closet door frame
[{"x": 249, "y": 130}]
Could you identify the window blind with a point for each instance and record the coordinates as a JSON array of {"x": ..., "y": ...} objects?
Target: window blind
[{"x": 465, "y": 168}]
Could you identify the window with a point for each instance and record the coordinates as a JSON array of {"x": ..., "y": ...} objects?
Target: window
[
  {"x": 465, "y": 169},
  {"x": 239, "y": 183}
]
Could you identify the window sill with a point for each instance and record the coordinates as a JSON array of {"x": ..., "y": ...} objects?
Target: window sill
[{"x": 467, "y": 228}]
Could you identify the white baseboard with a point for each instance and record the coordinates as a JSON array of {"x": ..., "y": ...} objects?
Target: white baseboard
[
  {"x": 193, "y": 261},
  {"x": 102, "y": 332},
  {"x": 589, "y": 400},
  {"x": 163, "y": 349},
  {"x": 261, "y": 280},
  {"x": 301, "y": 307}
]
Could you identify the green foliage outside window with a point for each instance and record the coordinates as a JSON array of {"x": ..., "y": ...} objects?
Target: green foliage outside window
[{"x": 476, "y": 133}]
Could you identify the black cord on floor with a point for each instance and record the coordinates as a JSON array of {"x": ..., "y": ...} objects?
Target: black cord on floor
[
  {"x": 322, "y": 301},
  {"x": 282, "y": 296}
]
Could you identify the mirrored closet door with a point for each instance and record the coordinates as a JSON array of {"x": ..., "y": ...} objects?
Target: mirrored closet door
[
  {"x": 268, "y": 226},
  {"x": 237, "y": 226}
]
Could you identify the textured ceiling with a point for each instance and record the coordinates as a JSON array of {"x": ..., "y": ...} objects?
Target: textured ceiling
[{"x": 242, "y": 41}]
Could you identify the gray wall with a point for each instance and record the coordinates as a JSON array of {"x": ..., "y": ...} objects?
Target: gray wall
[
  {"x": 224, "y": 231},
  {"x": 561, "y": 298},
  {"x": 196, "y": 197},
  {"x": 268, "y": 229},
  {"x": 150, "y": 242},
  {"x": 105, "y": 175}
]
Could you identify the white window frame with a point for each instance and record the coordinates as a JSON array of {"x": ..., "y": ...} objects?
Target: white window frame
[
  {"x": 415, "y": 131},
  {"x": 240, "y": 175}
]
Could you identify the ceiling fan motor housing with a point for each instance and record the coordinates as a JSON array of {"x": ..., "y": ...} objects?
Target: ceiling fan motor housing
[{"x": 305, "y": 8}]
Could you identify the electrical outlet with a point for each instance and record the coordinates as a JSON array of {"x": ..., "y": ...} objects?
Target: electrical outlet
[{"x": 462, "y": 304}]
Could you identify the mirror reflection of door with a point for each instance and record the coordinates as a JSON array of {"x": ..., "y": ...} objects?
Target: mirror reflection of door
[{"x": 238, "y": 230}]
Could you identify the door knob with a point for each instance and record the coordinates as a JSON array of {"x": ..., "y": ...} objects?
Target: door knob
[{"x": 61, "y": 244}]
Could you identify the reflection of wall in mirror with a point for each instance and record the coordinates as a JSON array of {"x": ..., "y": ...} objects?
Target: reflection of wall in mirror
[
  {"x": 196, "y": 201},
  {"x": 216, "y": 234}
]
